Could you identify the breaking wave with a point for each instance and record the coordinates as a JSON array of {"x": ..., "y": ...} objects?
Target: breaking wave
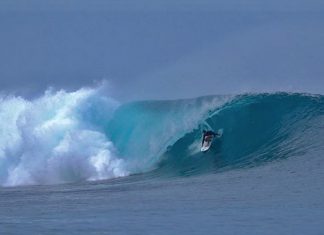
[{"x": 85, "y": 135}]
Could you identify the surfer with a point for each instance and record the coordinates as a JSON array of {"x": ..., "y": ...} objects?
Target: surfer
[{"x": 208, "y": 137}]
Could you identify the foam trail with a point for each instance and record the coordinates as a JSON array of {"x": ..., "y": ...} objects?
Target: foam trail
[{"x": 57, "y": 138}]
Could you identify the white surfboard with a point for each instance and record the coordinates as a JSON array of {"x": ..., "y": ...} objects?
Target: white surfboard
[{"x": 205, "y": 147}]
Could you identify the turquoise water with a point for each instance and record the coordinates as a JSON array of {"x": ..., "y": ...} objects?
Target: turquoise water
[
  {"x": 256, "y": 129},
  {"x": 80, "y": 163}
]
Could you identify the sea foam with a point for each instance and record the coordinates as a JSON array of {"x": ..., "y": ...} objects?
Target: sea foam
[{"x": 55, "y": 139}]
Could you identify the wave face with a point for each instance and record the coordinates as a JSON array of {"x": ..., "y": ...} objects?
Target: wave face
[
  {"x": 256, "y": 129},
  {"x": 166, "y": 135},
  {"x": 84, "y": 135}
]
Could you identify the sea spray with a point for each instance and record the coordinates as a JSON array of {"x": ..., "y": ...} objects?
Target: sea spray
[{"x": 57, "y": 138}]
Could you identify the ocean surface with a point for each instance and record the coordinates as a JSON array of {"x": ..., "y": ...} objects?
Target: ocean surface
[{"x": 82, "y": 163}]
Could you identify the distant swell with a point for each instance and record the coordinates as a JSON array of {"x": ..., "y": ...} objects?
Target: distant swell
[{"x": 84, "y": 135}]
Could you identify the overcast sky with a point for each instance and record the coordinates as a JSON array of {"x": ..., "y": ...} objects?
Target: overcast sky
[{"x": 162, "y": 49}]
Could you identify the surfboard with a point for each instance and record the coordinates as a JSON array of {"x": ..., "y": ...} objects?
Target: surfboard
[{"x": 205, "y": 147}]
